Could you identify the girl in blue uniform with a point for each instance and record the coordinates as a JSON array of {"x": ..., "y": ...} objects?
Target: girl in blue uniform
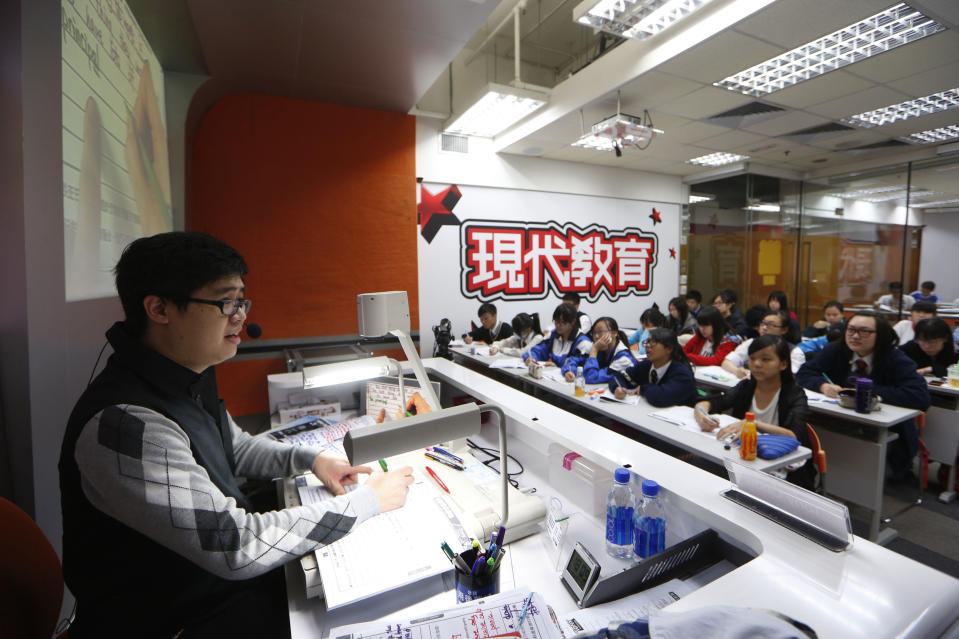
[
  {"x": 566, "y": 346},
  {"x": 610, "y": 352}
]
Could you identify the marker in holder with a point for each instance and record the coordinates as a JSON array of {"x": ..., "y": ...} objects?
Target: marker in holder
[{"x": 483, "y": 584}]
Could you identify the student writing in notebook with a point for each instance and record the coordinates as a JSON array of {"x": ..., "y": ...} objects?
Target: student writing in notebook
[
  {"x": 664, "y": 378},
  {"x": 771, "y": 394},
  {"x": 609, "y": 353},
  {"x": 159, "y": 537},
  {"x": 565, "y": 347},
  {"x": 490, "y": 329},
  {"x": 931, "y": 349},
  {"x": 526, "y": 334}
]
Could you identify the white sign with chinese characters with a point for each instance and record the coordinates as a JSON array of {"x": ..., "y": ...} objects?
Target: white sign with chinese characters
[{"x": 521, "y": 250}]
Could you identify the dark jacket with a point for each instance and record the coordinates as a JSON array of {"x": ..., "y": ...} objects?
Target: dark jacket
[
  {"x": 677, "y": 387},
  {"x": 940, "y": 363},
  {"x": 737, "y": 322},
  {"x": 482, "y": 334}
]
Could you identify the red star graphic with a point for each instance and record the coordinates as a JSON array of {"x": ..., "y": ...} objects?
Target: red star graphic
[
  {"x": 672, "y": 253},
  {"x": 656, "y": 217},
  {"x": 436, "y": 211}
]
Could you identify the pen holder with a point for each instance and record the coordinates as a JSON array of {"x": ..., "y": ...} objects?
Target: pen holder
[{"x": 482, "y": 585}]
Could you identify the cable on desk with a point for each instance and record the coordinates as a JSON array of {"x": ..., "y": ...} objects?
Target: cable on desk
[{"x": 494, "y": 456}]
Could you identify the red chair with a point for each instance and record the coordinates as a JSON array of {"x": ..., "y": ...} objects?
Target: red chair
[
  {"x": 818, "y": 457},
  {"x": 31, "y": 579}
]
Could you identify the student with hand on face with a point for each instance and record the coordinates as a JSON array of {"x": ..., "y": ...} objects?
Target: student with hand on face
[
  {"x": 526, "y": 334},
  {"x": 159, "y": 537},
  {"x": 711, "y": 343},
  {"x": 932, "y": 348},
  {"x": 565, "y": 347},
  {"x": 831, "y": 314},
  {"x": 683, "y": 322},
  {"x": 906, "y": 329},
  {"x": 650, "y": 319},
  {"x": 774, "y": 323},
  {"x": 490, "y": 329},
  {"x": 725, "y": 302},
  {"x": 868, "y": 349},
  {"x": 664, "y": 378},
  {"x": 609, "y": 353},
  {"x": 771, "y": 394}
]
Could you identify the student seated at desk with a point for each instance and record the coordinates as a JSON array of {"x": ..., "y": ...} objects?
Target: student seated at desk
[
  {"x": 572, "y": 297},
  {"x": 711, "y": 343},
  {"x": 777, "y": 301},
  {"x": 664, "y": 378},
  {"x": 868, "y": 349},
  {"x": 771, "y": 394},
  {"x": 906, "y": 329},
  {"x": 892, "y": 299},
  {"x": 159, "y": 537},
  {"x": 932, "y": 348},
  {"x": 565, "y": 347},
  {"x": 754, "y": 317},
  {"x": 526, "y": 334},
  {"x": 831, "y": 314},
  {"x": 812, "y": 347},
  {"x": 925, "y": 293},
  {"x": 683, "y": 322},
  {"x": 650, "y": 319},
  {"x": 609, "y": 353},
  {"x": 725, "y": 302},
  {"x": 774, "y": 323},
  {"x": 694, "y": 302},
  {"x": 490, "y": 329}
]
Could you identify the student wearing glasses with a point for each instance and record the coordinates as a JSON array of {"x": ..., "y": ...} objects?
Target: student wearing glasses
[
  {"x": 711, "y": 343},
  {"x": 931, "y": 349},
  {"x": 664, "y": 378},
  {"x": 725, "y": 302},
  {"x": 156, "y": 527},
  {"x": 609, "y": 353},
  {"x": 774, "y": 323},
  {"x": 565, "y": 347},
  {"x": 868, "y": 349}
]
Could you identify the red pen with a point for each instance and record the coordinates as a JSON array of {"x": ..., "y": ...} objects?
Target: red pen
[{"x": 437, "y": 478}]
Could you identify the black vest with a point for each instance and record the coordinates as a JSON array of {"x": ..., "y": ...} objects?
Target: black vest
[{"x": 118, "y": 575}]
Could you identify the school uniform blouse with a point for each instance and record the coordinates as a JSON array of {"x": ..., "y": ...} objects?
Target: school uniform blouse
[
  {"x": 675, "y": 387},
  {"x": 639, "y": 337},
  {"x": 940, "y": 363},
  {"x": 712, "y": 357},
  {"x": 502, "y": 330},
  {"x": 600, "y": 369},
  {"x": 517, "y": 345},
  {"x": 568, "y": 354}
]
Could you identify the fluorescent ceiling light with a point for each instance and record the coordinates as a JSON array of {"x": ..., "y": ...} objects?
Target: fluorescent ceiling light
[
  {"x": 894, "y": 27},
  {"x": 500, "y": 107},
  {"x": 594, "y": 142},
  {"x": 634, "y": 18},
  {"x": 717, "y": 159},
  {"x": 904, "y": 110},
  {"x": 696, "y": 199},
  {"x": 898, "y": 195},
  {"x": 926, "y": 205},
  {"x": 942, "y": 134},
  {"x": 765, "y": 208},
  {"x": 852, "y": 195}
]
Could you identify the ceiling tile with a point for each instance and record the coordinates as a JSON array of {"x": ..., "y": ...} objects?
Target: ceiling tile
[
  {"x": 722, "y": 55},
  {"x": 790, "y": 23},
  {"x": 694, "y": 132},
  {"x": 821, "y": 89},
  {"x": 654, "y": 88},
  {"x": 858, "y": 102},
  {"x": 932, "y": 81},
  {"x": 910, "y": 59}
]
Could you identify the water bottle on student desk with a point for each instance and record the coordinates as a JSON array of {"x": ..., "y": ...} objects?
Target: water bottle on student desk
[
  {"x": 649, "y": 523},
  {"x": 619, "y": 516},
  {"x": 579, "y": 384}
]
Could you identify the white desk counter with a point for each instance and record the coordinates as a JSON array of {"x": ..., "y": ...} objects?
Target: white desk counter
[{"x": 866, "y": 591}]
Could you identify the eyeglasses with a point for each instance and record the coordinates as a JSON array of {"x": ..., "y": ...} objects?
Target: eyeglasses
[
  {"x": 649, "y": 343},
  {"x": 770, "y": 325},
  {"x": 864, "y": 332},
  {"x": 228, "y": 307}
]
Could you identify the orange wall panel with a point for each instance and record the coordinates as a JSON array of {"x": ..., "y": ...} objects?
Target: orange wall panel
[{"x": 320, "y": 199}]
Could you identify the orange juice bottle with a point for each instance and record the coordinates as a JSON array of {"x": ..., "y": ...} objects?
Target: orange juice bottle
[{"x": 747, "y": 438}]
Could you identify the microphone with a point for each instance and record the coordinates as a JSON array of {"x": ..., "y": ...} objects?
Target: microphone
[{"x": 254, "y": 330}]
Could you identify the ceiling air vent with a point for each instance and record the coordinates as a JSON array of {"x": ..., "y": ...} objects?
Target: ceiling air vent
[
  {"x": 750, "y": 113},
  {"x": 454, "y": 143},
  {"x": 875, "y": 147},
  {"x": 817, "y": 132}
]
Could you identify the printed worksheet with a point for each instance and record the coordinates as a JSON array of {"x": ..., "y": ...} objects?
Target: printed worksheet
[
  {"x": 495, "y": 616},
  {"x": 628, "y": 608}
]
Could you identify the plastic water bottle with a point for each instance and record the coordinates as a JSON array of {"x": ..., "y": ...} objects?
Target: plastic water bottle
[
  {"x": 649, "y": 524},
  {"x": 619, "y": 516},
  {"x": 579, "y": 384}
]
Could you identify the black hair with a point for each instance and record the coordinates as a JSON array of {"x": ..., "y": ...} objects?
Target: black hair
[
  {"x": 667, "y": 338},
  {"x": 924, "y": 306},
  {"x": 886, "y": 338},
  {"x": 792, "y": 333},
  {"x": 172, "y": 266},
  {"x": 835, "y": 303},
  {"x": 695, "y": 295},
  {"x": 755, "y": 314},
  {"x": 936, "y": 328},
  {"x": 710, "y": 316},
  {"x": 836, "y": 331},
  {"x": 613, "y": 326},
  {"x": 572, "y": 297},
  {"x": 781, "y": 348},
  {"x": 486, "y": 307},
  {"x": 679, "y": 304},
  {"x": 928, "y": 284},
  {"x": 567, "y": 313},
  {"x": 654, "y": 317},
  {"x": 779, "y": 296},
  {"x": 522, "y": 321},
  {"x": 895, "y": 285},
  {"x": 727, "y": 295}
]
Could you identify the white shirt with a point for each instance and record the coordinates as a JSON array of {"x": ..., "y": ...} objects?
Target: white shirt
[
  {"x": 620, "y": 363},
  {"x": 769, "y": 414},
  {"x": 890, "y": 301},
  {"x": 518, "y": 346},
  {"x": 740, "y": 356},
  {"x": 905, "y": 330},
  {"x": 660, "y": 371}
]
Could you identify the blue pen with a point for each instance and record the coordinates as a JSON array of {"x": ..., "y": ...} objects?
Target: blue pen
[
  {"x": 439, "y": 450},
  {"x": 479, "y": 563},
  {"x": 522, "y": 615},
  {"x": 500, "y": 536},
  {"x": 707, "y": 415},
  {"x": 492, "y": 539}
]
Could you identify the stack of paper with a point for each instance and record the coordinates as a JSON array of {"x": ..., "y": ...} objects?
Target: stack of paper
[{"x": 507, "y": 362}]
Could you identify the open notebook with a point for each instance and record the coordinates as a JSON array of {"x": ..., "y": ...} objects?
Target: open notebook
[{"x": 685, "y": 418}]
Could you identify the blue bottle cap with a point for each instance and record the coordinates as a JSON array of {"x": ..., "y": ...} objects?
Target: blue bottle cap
[
  {"x": 621, "y": 475},
  {"x": 650, "y": 487}
]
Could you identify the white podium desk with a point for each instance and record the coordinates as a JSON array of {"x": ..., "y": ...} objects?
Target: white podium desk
[{"x": 865, "y": 591}]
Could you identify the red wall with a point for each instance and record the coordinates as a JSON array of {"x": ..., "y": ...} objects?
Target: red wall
[{"x": 321, "y": 200}]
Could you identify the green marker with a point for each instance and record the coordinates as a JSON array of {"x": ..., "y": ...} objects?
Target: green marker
[
  {"x": 449, "y": 551},
  {"x": 383, "y": 466}
]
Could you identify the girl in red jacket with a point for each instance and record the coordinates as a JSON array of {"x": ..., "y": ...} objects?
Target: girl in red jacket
[{"x": 712, "y": 341}]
